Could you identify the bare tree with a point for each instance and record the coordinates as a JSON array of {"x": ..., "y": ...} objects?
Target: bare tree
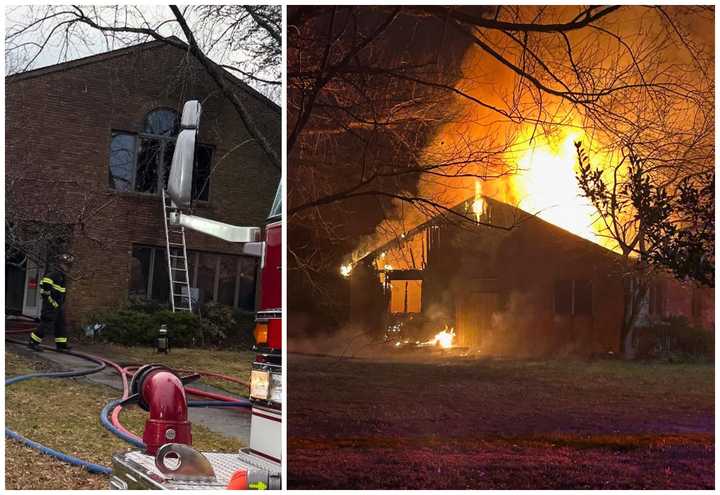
[
  {"x": 38, "y": 231},
  {"x": 391, "y": 106},
  {"x": 246, "y": 39}
]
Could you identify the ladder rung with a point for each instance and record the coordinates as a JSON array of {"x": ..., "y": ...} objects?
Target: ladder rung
[{"x": 179, "y": 235}]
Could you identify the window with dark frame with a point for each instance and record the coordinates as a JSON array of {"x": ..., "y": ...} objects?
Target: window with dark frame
[
  {"x": 222, "y": 278},
  {"x": 573, "y": 297},
  {"x": 141, "y": 162},
  {"x": 122, "y": 161},
  {"x": 656, "y": 299}
]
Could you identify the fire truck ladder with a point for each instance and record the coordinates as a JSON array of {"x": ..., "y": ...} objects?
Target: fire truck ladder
[{"x": 176, "y": 252}]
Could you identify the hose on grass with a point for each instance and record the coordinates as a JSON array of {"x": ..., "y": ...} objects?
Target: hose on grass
[
  {"x": 91, "y": 467},
  {"x": 116, "y": 427},
  {"x": 112, "y": 408},
  {"x": 122, "y": 434}
]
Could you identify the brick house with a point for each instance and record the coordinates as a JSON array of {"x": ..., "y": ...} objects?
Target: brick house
[
  {"x": 88, "y": 143},
  {"x": 534, "y": 289}
]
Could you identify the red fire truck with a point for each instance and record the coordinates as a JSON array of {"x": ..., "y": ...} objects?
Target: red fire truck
[{"x": 172, "y": 463}]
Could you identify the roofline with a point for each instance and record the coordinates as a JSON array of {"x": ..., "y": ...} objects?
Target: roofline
[
  {"x": 418, "y": 228},
  {"x": 79, "y": 62},
  {"x": 121, "y": 52}
]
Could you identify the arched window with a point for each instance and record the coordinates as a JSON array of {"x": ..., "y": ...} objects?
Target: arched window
[
  {"x": 162, "y": 122},
  {"x": 141, "y": 161}
]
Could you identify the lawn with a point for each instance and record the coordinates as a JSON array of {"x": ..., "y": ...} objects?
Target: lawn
[
  {"x": 232, "y": 363},
  {"x": 64, "y": 414},
  {"x": 497, "y": 424}
]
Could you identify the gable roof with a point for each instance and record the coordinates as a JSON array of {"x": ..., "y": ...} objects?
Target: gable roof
[
  {"x": 520, "y": 216},
  {"x": 129, "y": 50}
]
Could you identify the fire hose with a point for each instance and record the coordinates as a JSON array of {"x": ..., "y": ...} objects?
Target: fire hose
[
  {"x": 113, "y": 408},
  {"x": 93, "y": 468}
]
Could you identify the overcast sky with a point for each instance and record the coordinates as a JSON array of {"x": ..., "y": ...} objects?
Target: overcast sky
[{"x": 85, "y": 41}]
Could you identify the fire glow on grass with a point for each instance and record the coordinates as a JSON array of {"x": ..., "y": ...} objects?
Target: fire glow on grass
[{"x": 546, "y": 184}]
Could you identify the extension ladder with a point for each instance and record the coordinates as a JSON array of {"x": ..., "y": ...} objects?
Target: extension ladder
[{"x": 176, "y": 254}]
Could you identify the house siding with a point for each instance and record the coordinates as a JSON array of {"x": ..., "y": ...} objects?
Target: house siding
[{"x": 497, "y": 287}]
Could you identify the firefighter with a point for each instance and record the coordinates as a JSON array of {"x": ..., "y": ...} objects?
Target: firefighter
[{"x": 52, "y": 290}]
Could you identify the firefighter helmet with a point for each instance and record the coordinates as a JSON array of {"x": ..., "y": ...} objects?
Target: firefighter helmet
[{"x": 65, "y": 258}]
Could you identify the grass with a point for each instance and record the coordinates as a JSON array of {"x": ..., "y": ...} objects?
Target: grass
[
  {"x": 493, "y": 424},
  {"x": 64, "y": 414},
  {"x": 232, "y": 363}
]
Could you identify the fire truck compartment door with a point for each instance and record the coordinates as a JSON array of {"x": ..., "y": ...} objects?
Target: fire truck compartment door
[{"x": 266, "y": 432}]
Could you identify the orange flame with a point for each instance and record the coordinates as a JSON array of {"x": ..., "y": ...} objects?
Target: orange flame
[
  {"x": 443, "y": 338},
  {"x": 478, "y": 205},
  {"x": 546, "y": 185}
]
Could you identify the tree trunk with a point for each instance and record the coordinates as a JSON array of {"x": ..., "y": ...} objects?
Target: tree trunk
[
  {"x": 634, "y": 306},
  {"x": 629, "y": 347}
]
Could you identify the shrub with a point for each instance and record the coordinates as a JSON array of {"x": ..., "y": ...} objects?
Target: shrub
[
  {"x": 138, "y": 303},
  {"x": 234, "y": 326},
  {"x": 139, "y": 327},
  {"x": 139, "y": 323},
  {"x": 675, "y": 339},
  {"x": 242, "y": 336}
]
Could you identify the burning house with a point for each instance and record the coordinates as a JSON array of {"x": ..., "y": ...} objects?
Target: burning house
[{"x": 522, "y": 286}]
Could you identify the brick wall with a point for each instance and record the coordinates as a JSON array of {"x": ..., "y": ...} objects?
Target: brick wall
[{"x": 58, "y": 133}]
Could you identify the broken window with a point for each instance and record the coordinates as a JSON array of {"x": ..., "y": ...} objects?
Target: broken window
[
  {"x": 146, "y": 174},
  {"x": 122, "y": 161},
  {"x": 162, "y": 122},
  {"x": 141, "y": 162},
  {"x": 405, "y": 296}
]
